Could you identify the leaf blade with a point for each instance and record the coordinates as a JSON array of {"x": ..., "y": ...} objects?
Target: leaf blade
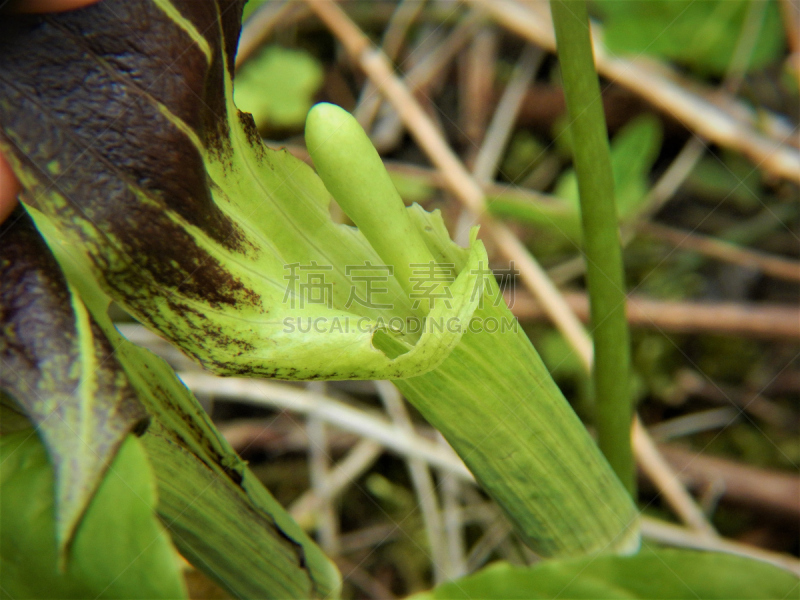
[
  {"x": 138, "y": 561},
  {"x": 653, "y": 574},
  {"x": 61, "y": 370}
]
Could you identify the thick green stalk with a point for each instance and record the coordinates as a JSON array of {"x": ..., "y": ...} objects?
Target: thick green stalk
[
  {"x": 492, "y": 397},
  {"x": 604, "y": 269}
]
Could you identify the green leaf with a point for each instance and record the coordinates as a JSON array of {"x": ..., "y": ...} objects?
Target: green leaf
[
  {"x": 703, "y": 35},
  {"x": 634, "y": 150},
  {"x": 660, "y": 573},
  {"x": 412, "y": 189},
  {"x": 219, "y": 514},
  {"x": 251, "y": 7},
  {"x": 525, "y": 152},
  {"x": 61, "y": 370},
  {"x": 558, "y": 217},
  {"x": 728, "y": 176},
  {"x": 212, "y": 236},
  {"x": 277, "y": 86},
  {"x": 120, "y": 549}
]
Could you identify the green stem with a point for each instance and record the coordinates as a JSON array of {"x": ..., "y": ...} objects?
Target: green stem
[{"x": 604, "y": 270}]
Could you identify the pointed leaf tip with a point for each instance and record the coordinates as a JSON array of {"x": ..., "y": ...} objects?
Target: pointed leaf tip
[{"x": 60, "y": 369}]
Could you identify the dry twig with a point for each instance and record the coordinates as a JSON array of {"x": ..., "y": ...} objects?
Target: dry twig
[
  {"x": 260, "y": 26},
  {"x": 360, "y": 458},
  {"x": 659, "y": 472},
  {"x": 765, "y": 490},
  {"x": 423, "y": 484},
  {"x": 333, "y": 412},
  {"x": 773, "y": 266},
  {"x": 768, "y": 321}
]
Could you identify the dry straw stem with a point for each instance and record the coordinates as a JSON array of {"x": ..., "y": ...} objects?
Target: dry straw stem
[
  {"x": 345, "y": 417},
  {"x": 423, "y": 483},
  {"x": 404, "y": 15},
  {"x": 657, "y": 469},
  {"x": 766, "y": 490},
  {"x": 505, "y": 116},
  {"x": 674, "y": 535},
  {"x": 408, "y": 444},
  {"x": 774, "y": 266},
  {"x": 469, "y": 192},
  {"x": 357, "y": 462},
  {"x": 532, "y": 21},
  {"x": 318, "y": 462},
  {"x": 768, "y": 321},
  {"x": 419, "y": 77},
  {"x": 495, "y": 533},
  {"x": 500, "y": 129},
  {"x": 453, "y": 521}
]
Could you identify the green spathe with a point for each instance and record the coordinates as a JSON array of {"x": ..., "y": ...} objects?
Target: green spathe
[{"x": 492, "y": 397}]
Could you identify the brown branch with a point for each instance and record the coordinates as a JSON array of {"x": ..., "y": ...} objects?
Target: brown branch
[
  {"x": 258, "y": 28},
  {"x": 655, "y": 466},
  {"x": 774, "y": 266},
  {"x": 767, "y": 490},
  {"x": 768, "y": 321}
]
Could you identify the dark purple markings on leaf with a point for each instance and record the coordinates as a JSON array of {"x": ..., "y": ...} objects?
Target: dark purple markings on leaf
[
  {"x": 219, "y": 23},
  {"x": 149, "y": 249},
  {"x": 39, "y": 341},
  {"x": 136, "y": 41},
  {"x": 250, "y": 128},
  {"x": 198, "y": 332},
  {"x": 79, "y": 105},
  {"x": 42, "y": 367},
  {"x": 210, "y": 17}
]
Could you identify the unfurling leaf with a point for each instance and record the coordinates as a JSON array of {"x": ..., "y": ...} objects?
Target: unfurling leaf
[{"x": 220, "y": 516}]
